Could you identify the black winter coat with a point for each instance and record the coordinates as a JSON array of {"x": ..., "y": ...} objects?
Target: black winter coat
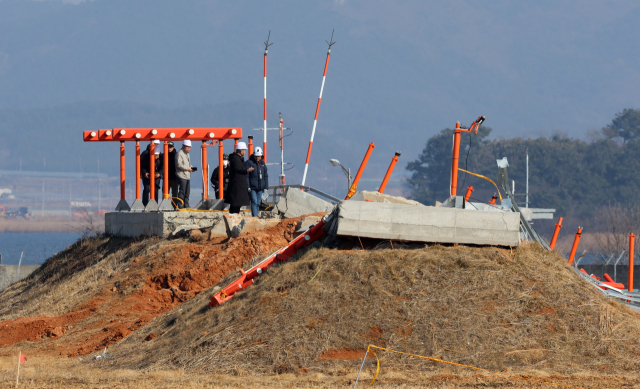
[
  {"x": 238, "y": 187},
  {"x": 172, "y": 165},
  {"x": 145, "y": 167},
  {"x": 215, "y": 180},
  {"x": 259, "y": 177}
]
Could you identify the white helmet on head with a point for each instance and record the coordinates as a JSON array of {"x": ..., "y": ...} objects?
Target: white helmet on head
[
  {"x": 241, "y": 146},
  {"x": 186, "y": 143},
  {"x": 258, "y": 152}
]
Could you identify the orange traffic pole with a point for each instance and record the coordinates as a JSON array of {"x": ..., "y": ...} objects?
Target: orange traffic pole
[
  {"x": 354, "y": 185},
  {"x": 554, "y": 238},
  {"x": 165, "y": 180},
  {"x": 632, "y": 239},
  {"x": 575, "y": 246},
  {"x": 205, "y": 187},
  {"x": 386, "y": 176},
  {"x": 220, "y": 169},
  {"x": 250, "y": 145},
  {"x": 456, "y": 155},
  {"x": 467, "y": 195},
  {"x": 235, "y": 145},
  {"x": 137, "y": 170},
  {"x": 493, "y": 199},
  {"x": 122, "y": 194},
  {"x": 152, "y": 168}
]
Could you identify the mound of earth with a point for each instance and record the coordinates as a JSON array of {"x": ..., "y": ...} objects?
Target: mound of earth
[
  {"x": 488, "y": 307},
  {"x": 101, "y": 290}
]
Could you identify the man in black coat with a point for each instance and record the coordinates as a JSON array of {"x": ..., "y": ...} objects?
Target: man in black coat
[
  {"x": 258, "y": 180},
  {"x": 238, "y": 195},
  {"x": 173, "y": 179},
  {"x": 145, "y": 171},
  {"x": 215, "y": 180}
]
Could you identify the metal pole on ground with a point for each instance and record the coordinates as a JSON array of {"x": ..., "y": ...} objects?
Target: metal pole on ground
[
  {"x": 389, "y": 171},
  {"x": 354, "y": 186},
  {"x": 554, "y": 238},
  {"x": 575, "y": 246},
  {"x": 632, "y": 238},
  {"x": 315, "y": 120}
]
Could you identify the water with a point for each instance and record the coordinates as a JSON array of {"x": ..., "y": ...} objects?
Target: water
[{"x": 37, "y": 247}]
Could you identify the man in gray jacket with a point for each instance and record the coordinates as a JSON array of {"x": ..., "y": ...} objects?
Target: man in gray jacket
[{"x": 183, "y": 174}]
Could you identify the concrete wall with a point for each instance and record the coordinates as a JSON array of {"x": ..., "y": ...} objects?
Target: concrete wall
[
  {"x": 428, "y": 224},
  {"x": 9, "y": 274},
  {"x": 134, "y": 224}
]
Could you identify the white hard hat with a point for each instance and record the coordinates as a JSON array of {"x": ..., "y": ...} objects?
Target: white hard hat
[
  {"x": 258, "y": 152},
  {"x": 186, "y": 142},
  {"x": 156, "y": 152},
  {"x": 241, "y": 146},
  {"x": 156, "y": 142}
]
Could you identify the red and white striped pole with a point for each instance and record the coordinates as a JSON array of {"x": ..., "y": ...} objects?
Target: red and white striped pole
[
  {"x": 315, "y": 120},
  {"x": 264, "y": 128}
]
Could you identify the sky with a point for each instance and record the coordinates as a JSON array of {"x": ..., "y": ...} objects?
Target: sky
[{"x": 400, "y": 71}]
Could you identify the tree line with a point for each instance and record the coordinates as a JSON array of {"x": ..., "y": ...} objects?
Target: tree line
[{"x": 574, "y": 176}]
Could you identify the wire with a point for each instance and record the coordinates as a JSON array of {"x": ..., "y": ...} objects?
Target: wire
[{"x": 466, "y": 161}]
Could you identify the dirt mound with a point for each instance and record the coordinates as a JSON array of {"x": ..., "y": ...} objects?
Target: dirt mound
[
  {"x": 101, "y": 290},
  {"x": 485, "y": 307}
]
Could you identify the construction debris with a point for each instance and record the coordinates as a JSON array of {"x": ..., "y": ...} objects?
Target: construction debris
[{"x": 295, "y": 203}]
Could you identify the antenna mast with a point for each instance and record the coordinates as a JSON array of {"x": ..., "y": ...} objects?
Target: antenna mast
[{"x": 264, "y": 127}]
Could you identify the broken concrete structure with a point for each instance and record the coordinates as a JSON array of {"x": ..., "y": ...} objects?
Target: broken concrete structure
[
  {"x": 162, "y": 224},
  {"x": 428, "y": 224},
  {"x": 378, "y": 197},
  {"x": 237, "y": 225},
  {"x": 13, "y": 273},
  {"x": 296, "y": 202}
]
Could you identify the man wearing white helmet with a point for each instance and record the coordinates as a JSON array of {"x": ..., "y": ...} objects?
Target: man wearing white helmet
[
  {"x": 238, "y": 195},
  {"x": 258, "y": 179},
  {"x": 183, "y": 174}
]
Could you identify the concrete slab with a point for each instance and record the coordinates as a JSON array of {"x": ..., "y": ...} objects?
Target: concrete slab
[
  {"x": 9, "y": 274},
  {"x": 134, "y": 224},
  {"x": 382, "y": 198},
  {"x": 428, "y": 224},
  {"x": 297, "y": 203}
]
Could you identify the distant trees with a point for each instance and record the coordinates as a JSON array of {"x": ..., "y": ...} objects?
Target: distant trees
[{"x": 574, "y": 176}]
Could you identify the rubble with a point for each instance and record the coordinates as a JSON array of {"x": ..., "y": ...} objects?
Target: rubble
[{"x": 296, "y": 202}]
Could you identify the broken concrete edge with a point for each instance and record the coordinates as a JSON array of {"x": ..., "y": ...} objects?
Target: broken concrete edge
[{"x": 295, "y": 203}]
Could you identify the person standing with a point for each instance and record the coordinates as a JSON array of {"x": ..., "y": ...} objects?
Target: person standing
[
  {"x": 183, "y": 173},
  {"x": 173, "y": 179},
  {"x": 215, "y": 180},
  {"x": 238, "y": 195},
  {"x": 258, "y": 180},
  {"x": 145, "y": 171}
]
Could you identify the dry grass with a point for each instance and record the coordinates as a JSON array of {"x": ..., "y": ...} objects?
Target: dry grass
[
  {"x": 71, "y": 276},
  {"x": 521, "y": 311}
]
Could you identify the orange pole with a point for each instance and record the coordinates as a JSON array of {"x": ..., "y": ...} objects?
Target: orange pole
[
  {"x": 354, "y": 185},
  {"x": 493, "y": 200},
  {"x": 221, "y": 168},
  {"x": 456, "y": 156},
  {"x": 554, "y": 238},
  {"x": 632, "y": 239},
  {"x": 250, "y": 146},
  {"x": 152, "y": 168},
  {"x": 165, "y": 180},
  {"x": 137, "y": 170},
  {"x": 575, "y": 245},
  {"x": 205, "y": 187},
  {"x": 235, "y": 145},
  {"x": 122, "y": 194},
  {"x": 386, "y": 176},
  {"x": 467, "y": 195}
]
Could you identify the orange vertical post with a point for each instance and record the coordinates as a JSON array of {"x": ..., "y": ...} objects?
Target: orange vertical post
[
  {"x": 632, "y": 239},
  {"x": 572, "y": 255},
  {"x": 467, "y": 195},
  {"x": 456, "y": 155},
  {"x": 389, "y": 171},
  {"x": 205, "y": 187},
  {"x": 221, "y": 169},
  {"x": 250, "y": 145},
  {"x": 354, "y": 185},
  {"x": 493, "y": 199},
  {"x": 137, "y": 170},
  {"x": 152, "y": 172},
  {"x": 554, "y": 238},
  {"x": 122, "y": 194},
  {"x": 235, "y": 145},
  {"x": 165, "y": 163}
]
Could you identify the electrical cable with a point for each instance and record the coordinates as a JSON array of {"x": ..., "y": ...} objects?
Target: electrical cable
[{"x": 466, "y": 161}]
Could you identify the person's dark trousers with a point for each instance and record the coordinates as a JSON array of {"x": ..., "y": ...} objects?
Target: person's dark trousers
[
  {"x": 184, "y": 187},
  {"x": 173, "y": 187},
  {"x": 146, "y": 192},
  {"x": 235, "y": 209}
]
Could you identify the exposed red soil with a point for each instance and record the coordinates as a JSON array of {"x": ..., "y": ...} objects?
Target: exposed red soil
[
  {"x": 344, "y": 355},
  {"x": 144, "y": 291}
]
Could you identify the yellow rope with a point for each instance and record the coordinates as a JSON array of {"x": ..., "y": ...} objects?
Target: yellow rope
[
  {"x": 196, "y": 210},
  {"x": 485, "y": 178},
  {"x": 456, "y": 364}
]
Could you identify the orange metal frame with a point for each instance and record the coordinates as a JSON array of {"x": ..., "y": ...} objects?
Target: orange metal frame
[
  {"x": 164, "y": 134},
  {"x": 456, "y": 150}
]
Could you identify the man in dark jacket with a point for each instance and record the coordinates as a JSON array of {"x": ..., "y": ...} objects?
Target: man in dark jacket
[
  {"x": 258, "y": 180},
  {"x": 215, "y": 180},
  {"x": 173, "y": 179},
  {"x": 238, "y": 194},
  {"x": 145, "y": 171}
]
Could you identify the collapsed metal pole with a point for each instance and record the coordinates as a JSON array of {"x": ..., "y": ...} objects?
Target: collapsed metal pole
[
  {"x": 575, "y": 246},
  {"x": 315, "y": 120},
  {"x": 354, "y": 185},
  {"x": 389, "y": 171},
  {"x": 555, "y": 234}
]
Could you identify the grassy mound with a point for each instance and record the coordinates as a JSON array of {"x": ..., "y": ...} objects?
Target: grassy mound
[{"x": 485, "y": 307}]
